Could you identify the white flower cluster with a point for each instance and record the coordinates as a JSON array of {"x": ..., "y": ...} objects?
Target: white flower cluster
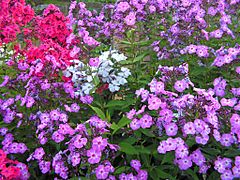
[
  {"x": 82, "y": 77},
  {"x": 108, "y": 71},
  {"x": 111, "y": 71},
  {"x": 4, "y": 54}
]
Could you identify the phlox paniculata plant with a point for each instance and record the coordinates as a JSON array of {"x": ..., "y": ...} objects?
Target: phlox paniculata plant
[{"x": 142, "y": 89}]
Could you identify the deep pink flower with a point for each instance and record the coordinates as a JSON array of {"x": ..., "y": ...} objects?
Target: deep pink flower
[
  {"x": 181, "y": 85},
  {"x": 227, "y": 175},
  {"x": 162, "y": 147},
  {"x": 154, "y": 103},
  {"x": 75, "y": 107},
  {"x": 236, "y": 171},
  {"x": 30, "y": 101},
  {"x": 75, "y": 159},
  {"x": 227, "y": 140},
  {"x": 189, "y": 128},
  {"x": 94, "y": 62},
  {"x": 44, "y": 166},
  {"x": 135, "y": 124},
  {"x": 170, "y": 144},
  {"x": 181, "y": 151},
  {"x": 54, "y": 115},
  {"x": 185, "y": 163},
  {"x": 57, "y": 137},
  {"x": 39, "y": 153}
]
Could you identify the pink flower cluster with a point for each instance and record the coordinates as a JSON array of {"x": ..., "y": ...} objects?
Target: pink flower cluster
[{"x": 52, "y": 25}]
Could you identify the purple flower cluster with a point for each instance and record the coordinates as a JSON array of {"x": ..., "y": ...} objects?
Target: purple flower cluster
[
  {"x": 82, "y": 146},
  {"x": 183, "y": 158},
  {"x": 200, "y": 50},
  {"x": 227, "y": 168},
  {"x": 8, "y": 144},
  {"x": 140, "y": 173},
  {"x": 85, "y": 22},
  {"x": 103, "y": 171},
  {"x": 182, "y": 116},
  {"x": 226, "y": 56}
]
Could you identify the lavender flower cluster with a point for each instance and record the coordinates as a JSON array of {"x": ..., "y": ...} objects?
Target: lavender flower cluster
[
  {"x": 80, "y": 145},
  {"x": 182, "y": 114}
]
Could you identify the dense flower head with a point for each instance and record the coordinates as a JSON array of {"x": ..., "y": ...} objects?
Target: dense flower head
[
  {"x": 53, "y": 24},
  {"x": 14, "y": 15}
]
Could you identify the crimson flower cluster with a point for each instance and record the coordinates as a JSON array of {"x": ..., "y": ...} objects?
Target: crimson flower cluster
[
  {"x": 12, "y": 169},
  {"x": 14, "y": 15}
]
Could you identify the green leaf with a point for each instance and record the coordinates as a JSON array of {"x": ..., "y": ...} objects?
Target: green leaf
[
  {"x": 143, "y": 43},
  {"x": 123, "y": 122},
  {"x": 138, "y": 134},
  {"x": 113, "y": 103},
  {"x": 96, "y": 80},
  {"x": 232, "y": 153},
  {"x": 190, "y": 142},
  {"x": 99, "y": 112},
  {"x": 130, "y": 140},
  {"x": 153, "y": 174},
  {"x": 126, "y": 42},
  {"x": 162, "y": 174},
  {"x": 120, "y": 103},
  {"x": 128, "y": 148},
  {"x": 75, "y": 178},
  {"x": 114, "y": 126},
  {"x": 192, "y": 174},
  {"x": 211, "y": 151},
  {"x": 147, "y": 132},
  {"x": 121, "y": 169},
  {"x": 213, "y": 176},
  {"x": 143, "y": 150},
  {"x": 140, "y": 57},
  {"x": 168, "y": 158}
]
